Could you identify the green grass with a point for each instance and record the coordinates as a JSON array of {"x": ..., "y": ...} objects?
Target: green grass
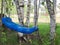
[{"x": 10, "y": 37}]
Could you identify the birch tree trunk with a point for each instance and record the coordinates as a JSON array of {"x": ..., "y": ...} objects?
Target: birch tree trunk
[
  {"x": 20, "y": 17},
  {"x": 1, "y": 15},
  {"x": 36, "y": 13},
  {"x": 28, "y": 19},
  {"x": 28, "y": 13},
  {"x": 21, "y": 3},
  {"x": 51, "y": 11}
]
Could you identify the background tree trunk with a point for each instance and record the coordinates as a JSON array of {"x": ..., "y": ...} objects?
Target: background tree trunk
[
  {"x": 36, "y": 13},
  {"x": 1, "y": 15},
  {"x": 50, "y": 6}
]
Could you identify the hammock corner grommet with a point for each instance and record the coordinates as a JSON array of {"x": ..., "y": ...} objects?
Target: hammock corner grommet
[{"x": 19, "y": 28}]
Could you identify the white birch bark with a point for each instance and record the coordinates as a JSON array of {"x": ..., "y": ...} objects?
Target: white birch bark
[
  {"x": 35, "y": 13},
  {"x": 20, "y": 16},
  {"x": 1, "y": 12},
  {"x": 21, "y": 3},
  {"x": 52, "y": 21},
  {"x": 28, "y": 13}
]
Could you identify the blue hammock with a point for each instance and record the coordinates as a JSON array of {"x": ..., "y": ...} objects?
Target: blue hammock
[{"x": 19, "y": 28}]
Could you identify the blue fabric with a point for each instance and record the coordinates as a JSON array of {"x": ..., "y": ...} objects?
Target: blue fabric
[{"x": 13, "y": 26}]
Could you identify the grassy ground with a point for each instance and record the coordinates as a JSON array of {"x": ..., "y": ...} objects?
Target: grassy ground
[{"x": 10, "y": 37}]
